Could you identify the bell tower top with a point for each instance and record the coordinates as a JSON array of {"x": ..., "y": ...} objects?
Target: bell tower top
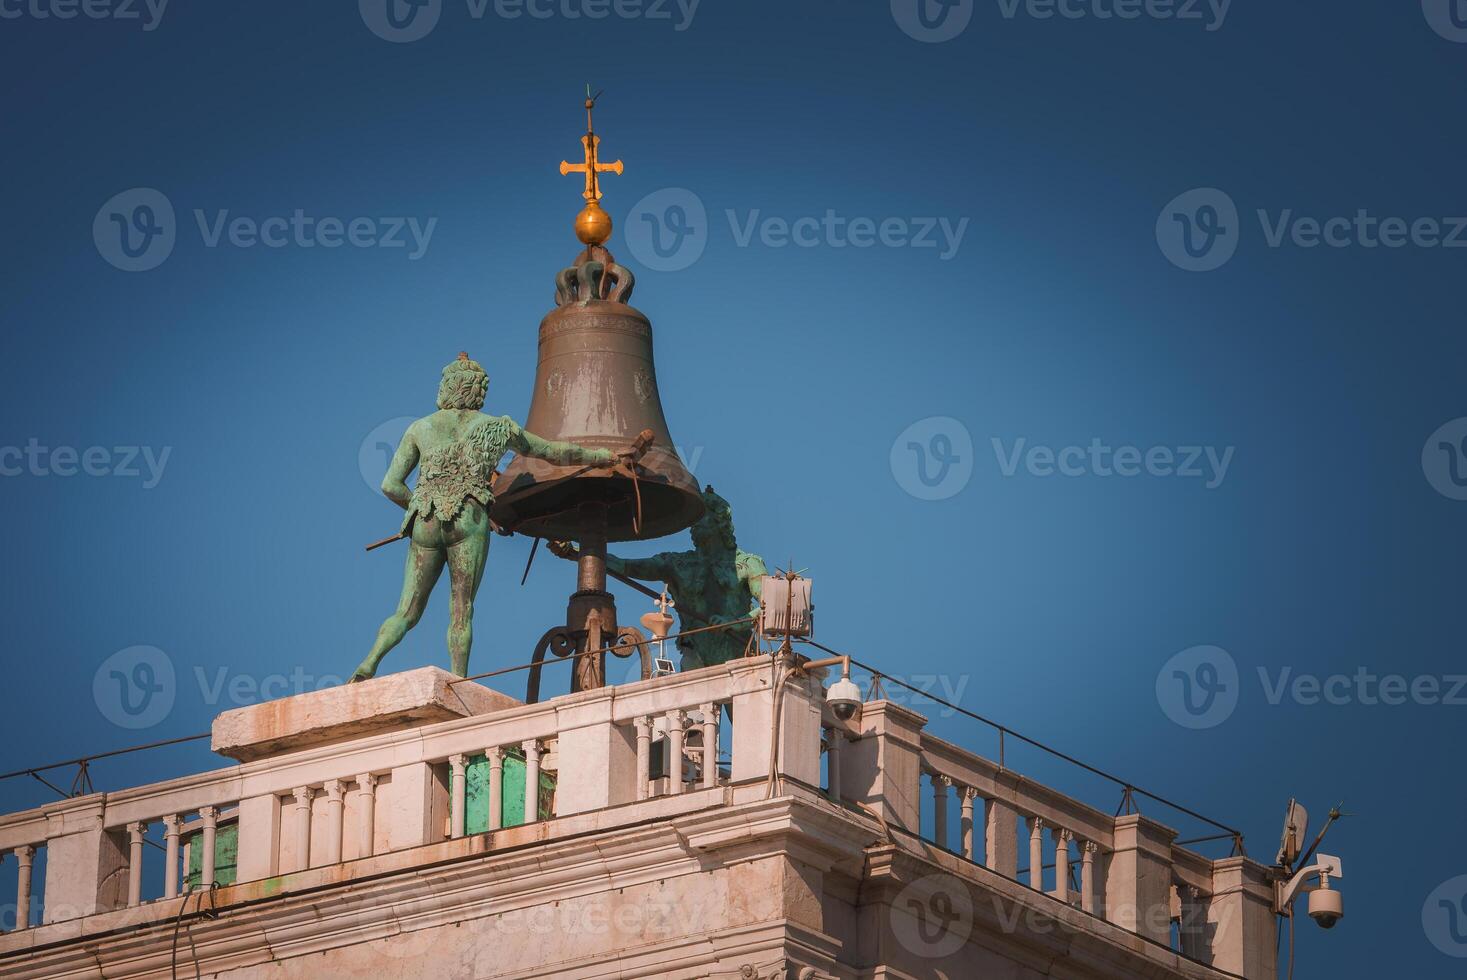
[{"x": 593, "y": 225}]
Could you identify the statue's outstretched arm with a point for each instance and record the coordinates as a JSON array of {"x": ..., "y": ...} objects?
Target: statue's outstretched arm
[
  {"x": 394, "y": 484},
  {"x": 752, "y": 571},
  {"x": 527, "y": 443},
  {"x": 658, "y": 568}
]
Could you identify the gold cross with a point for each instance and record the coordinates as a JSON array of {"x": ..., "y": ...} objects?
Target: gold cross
[{"x": 593, "y": 167}]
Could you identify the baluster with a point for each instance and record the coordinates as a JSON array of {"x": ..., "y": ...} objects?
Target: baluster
[
  {"x": 940, "y": 783},
  {"x": 1036, "y": 853},
  {"x": 710, "y": 744},
  {"x": 26, "y": 855},
  {"x": 171, "y": 825},
  {"x": 366, "y": 814},
  {"x": 210, "y": 816},
  {"x": 134, "y": 865},
  {"x": 302, "y": 796},
  {"x": 532, "y": 780},
  {"x": 965, "y": 823},
  {"x": 832, "y": 763},
  {"x": 677, "y": 721},
  {"x": 1062, "y": 840},
  {"x": 644, "y": 757},
  {"x": 1087, "y": 876},
  {"x": 457, "y": 792},
  {"x": 335, "y": 806},
  {"x": 495, "y": 755}
]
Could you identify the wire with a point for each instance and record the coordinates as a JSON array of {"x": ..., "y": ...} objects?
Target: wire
[
  {"x": 213, "y": 913},
  {"x": 778, "y": 679},
  {"x": 1005, "y": 730},
  {"x": 35, "y": 771},
  {"x": 1291, "y": 944},
  {"x": 606, "y": 649}
]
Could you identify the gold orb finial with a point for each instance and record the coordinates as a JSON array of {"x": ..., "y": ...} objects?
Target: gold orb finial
[{"x": 593, "y": 225}]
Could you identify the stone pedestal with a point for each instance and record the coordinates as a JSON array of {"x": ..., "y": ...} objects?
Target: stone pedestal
[
  {"x": 605, "y": 757},
  {"x": 1241, "y": 930},
  {"x": 1138, "y": 883},
  {"x": 86, "y": 865},
  {"x": 798, "y": 746},
  {"x": 383, "y": 704},
  {"x": 881, "y": 766}
]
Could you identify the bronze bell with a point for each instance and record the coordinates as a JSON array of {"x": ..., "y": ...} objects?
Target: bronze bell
[{"x": 596, "y": 385}]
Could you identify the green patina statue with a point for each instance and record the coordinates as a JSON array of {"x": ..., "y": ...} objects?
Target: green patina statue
[
  {"x": 713, "y": 584},
  {"x": 456, "y": 451}
]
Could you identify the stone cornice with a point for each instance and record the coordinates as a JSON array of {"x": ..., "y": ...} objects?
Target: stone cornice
[{"x": 486, "y": 877}]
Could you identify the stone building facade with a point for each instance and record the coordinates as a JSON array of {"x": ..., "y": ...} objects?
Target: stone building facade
[{"x": 717, "y": 823}]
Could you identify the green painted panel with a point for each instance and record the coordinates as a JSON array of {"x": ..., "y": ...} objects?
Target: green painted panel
[
  {"x": 226, "y": 856},
  {"x": 476, "y": 793}
]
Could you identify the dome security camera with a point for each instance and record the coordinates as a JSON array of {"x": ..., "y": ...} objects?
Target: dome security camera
[
  {"x": 844, "y": 697},
  {"x": 1326, "y": 907}
]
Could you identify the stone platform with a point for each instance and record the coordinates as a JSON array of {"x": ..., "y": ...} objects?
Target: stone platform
[{"x": 383, "y": 704}]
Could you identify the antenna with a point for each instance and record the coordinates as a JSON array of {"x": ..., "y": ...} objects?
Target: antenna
[{"x": 1296, "y": 826}]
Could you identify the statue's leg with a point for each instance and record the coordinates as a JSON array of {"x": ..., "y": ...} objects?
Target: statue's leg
[
  {"x": 424, "y": 565},
  {"x": 465, "y": 572}
]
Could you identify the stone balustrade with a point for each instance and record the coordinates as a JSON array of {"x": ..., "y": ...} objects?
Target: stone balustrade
[
  {"x": 387, "y": 792},
  {"x": 1130, "y": 871},
  {"x": 619, "y": 749}
]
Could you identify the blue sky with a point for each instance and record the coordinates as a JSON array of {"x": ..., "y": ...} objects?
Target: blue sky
[{"x": 1055, "y": 347}]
